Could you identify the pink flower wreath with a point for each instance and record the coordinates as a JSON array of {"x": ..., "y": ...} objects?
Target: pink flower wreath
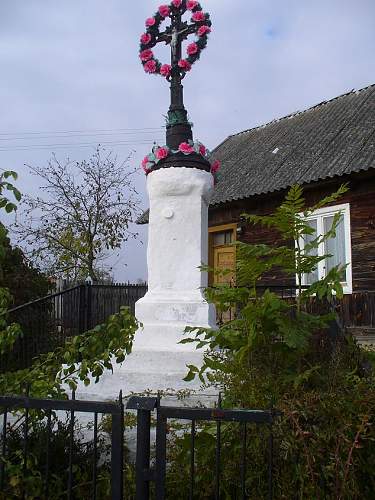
[
  {"x": 187, "y": 148},
  {"x": 148, "y": 40}
]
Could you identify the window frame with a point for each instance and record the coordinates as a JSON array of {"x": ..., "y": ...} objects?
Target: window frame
[{"x": 319, "y": 215}]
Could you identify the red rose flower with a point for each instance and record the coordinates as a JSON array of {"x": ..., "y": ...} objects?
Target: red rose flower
[
  {"x": 191, "y": 4},
  {"x": 202, "y": 150},
  {"x": 184, "y": 64},
  {"x": 199, "y": 16},
  {"x": 215, "y": 166},
  {"x": 204, "y": 30},
  {"x": 150, "y": 66},
  {"x": 177, "y": 3},
  {"x": 164, "y": 10},
  {"x": 185, "y": 148},
  {"x": 161, "y": 153},
  {"x": 146, "y": 38},
  {"x": 150, "y": 21},
  {"x": 192, "y": 49},
  {"x": 146, "y": 55},
  {"x": 144, "y": 165},
  {"x": 165, "y": 70}
]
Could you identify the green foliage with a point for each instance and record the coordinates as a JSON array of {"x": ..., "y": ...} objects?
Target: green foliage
[
  {"x": 8, "y": 332},
  {"x": 82, "y": 358},
  {"x": 277, "y": 352},
  {"x": 279, "y": 329},
  {"x": 24, "y": 281},
  {"x": 323, "y": 444},
  {"x": 5, "y": 185},
  {"x": 33, "y": 480}
]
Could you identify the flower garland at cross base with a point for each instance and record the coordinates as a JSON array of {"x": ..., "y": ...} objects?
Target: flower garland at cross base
[
  {"x": 187, "y": 148},
  {"x": 201, "y": 21}
]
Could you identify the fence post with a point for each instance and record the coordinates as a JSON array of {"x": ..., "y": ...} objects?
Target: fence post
[
  {"x": 89, "y": 324},
  {"x": 81, "y": 309},
  {"x": 161, "y": 454},
  {"x": 144, "y": 406},
  {"x": 117, "y": 457}
]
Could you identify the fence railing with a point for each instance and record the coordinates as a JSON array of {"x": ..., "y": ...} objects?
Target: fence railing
[
  {"x": 151, "y": 475},
  {"x": 26, "y": 405},
  {"x": 353, "y": 310},
  {"x": 157, "y": 472},
  {"x": 46, "y": 323}
]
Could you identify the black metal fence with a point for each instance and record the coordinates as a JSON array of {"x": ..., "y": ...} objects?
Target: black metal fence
[
  {"x": 151, "y": 474},
  {"x": 47, "y": 322},
  {"x": 156, "y": 474},
  {"x": 26, "y": 454}
]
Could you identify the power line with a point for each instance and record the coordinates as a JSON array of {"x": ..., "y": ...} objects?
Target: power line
[
  {"x": 68, "y": 136},
  {"x": 85, "y": 131},
  {"x": 35, "y": 147}
]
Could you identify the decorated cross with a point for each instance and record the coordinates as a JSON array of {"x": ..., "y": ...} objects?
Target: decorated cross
[{"x": 179, "y": 133}]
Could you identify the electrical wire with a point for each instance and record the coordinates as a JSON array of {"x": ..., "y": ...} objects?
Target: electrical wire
[
  {"x": 86, "y": 131},
  {"x": 69, "y": 136},
  {"x": 34, "y": 147}
]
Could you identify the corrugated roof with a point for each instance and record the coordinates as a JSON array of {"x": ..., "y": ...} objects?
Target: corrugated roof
[{"x": 330, "y": 139}]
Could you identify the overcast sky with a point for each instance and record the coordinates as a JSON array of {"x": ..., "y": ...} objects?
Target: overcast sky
[{"x": 73, "y": 65}]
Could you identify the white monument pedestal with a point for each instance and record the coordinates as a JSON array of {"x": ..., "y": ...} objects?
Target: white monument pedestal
[{"x": 177, "y": 247}]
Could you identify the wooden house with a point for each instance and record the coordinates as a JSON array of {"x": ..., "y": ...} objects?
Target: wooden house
[{"x": 320, "y": 148}]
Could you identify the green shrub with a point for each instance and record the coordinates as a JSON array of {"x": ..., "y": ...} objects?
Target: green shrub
[{"x": 279, "y": 353}]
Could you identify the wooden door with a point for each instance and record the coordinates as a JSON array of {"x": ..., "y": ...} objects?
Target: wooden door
[{"x": 224, "y": 258}]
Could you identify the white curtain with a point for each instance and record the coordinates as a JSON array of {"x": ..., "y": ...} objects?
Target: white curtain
[
  {"x": 335, "y": 246},
  {"x": 311, "y": 277}
]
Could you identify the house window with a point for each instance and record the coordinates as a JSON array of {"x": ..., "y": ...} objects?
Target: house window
[{"x": 338, "y": 247}]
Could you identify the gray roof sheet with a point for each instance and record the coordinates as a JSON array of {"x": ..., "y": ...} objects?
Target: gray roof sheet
[{"x": 330, "y": 139}]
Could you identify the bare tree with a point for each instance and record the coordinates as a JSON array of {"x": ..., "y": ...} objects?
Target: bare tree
[{"x": 85, "y": 213}]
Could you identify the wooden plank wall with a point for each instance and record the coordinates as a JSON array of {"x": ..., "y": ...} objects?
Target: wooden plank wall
[{"x": 361, "y": 197}]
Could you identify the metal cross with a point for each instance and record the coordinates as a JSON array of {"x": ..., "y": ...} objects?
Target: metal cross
[{"x": 174, "y": 35}]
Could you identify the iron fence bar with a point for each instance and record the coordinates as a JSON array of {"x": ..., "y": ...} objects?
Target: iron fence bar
[
  {"x": 95, "y": 457},
  {"x": 182, "y": 413},
  {"x": 3, "y": 449},
  {"x": 192, "y": 459},
  {"x": 71, "y": 443},
  {"x": 72, "y": 405},
  {"x": 270, "y": 463},
  {"x": 243, "y": 460},
  {"x": 161, "y": 454},
  {"x": 25, "y": 450},
  {"x": 88, "y": 318},
  {"x": 42, "y": 299},
  {"x": 46, "y": 489},
  {"x": 143, "y": 454},
  {"x": 81, "y": 309},
  {"x": 117, "y": 458},
  {"x": 57, "y": 404},
  {"x": 218, "y": 454}
]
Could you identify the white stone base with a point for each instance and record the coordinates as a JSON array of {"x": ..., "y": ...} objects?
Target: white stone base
[
  {"x": 177, "y": 248},
  {"x": 157, "y": 363}
]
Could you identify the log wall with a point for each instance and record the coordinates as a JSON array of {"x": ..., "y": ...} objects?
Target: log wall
[{"x": 361, "y": 198}]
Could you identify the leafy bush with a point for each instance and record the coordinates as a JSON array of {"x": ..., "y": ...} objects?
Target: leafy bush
[{"x": 278, "y": 353}]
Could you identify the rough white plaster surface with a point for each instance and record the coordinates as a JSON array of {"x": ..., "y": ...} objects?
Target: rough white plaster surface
[{"x": 177, "y": 247}]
